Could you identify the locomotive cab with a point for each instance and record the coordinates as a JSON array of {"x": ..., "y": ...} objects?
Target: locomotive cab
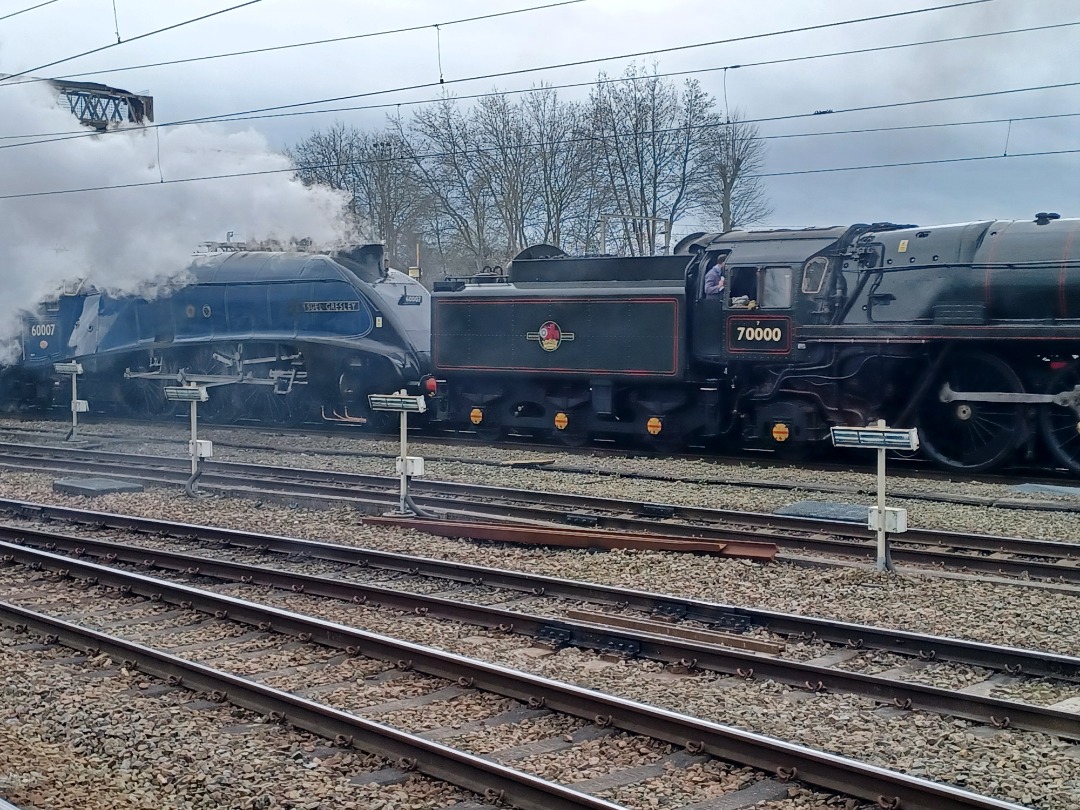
[
  {"x": 751, "y": 315},
  {"x": 773, "y": 282}
]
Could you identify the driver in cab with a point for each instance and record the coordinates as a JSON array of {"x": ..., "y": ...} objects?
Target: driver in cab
[{"x": 714, "y": 278}]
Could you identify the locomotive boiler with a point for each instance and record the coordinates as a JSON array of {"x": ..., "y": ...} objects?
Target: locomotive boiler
[
  {"x": 278, "y": 337},
  {"x": 970, "y": 332}
]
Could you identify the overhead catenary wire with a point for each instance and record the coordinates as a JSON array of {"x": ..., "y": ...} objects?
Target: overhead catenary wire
[
  {"x": 49, "y": 137},
  {"x": 310, "y": 43},
  {"x": 31, "y": 8},
  {"x": 615, "y": 80},
  {"x": 116, "y": 21},
  {"x": 592, "y": 61},
  {"x": 774, "y": 118},
  {"x": 769, "y": 119},
  {"x": 116, "y": 44},
  {"x": 340, "y": 164}
]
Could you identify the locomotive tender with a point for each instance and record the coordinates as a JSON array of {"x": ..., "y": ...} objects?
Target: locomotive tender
[
  {"x": 970, "y": 332},
  {"x": 300, "y": 334}
]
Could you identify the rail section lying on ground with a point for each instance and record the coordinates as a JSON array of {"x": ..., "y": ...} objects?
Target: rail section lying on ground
[{"x": 858, "y": 636}]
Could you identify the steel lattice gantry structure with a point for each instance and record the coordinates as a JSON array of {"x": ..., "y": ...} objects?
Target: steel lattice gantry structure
[{"x": 101, "y": 106}]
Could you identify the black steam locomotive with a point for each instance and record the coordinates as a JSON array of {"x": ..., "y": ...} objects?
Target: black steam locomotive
[
  {"x": 278, "y": 337},
  {"x": 969, "y": 332}
]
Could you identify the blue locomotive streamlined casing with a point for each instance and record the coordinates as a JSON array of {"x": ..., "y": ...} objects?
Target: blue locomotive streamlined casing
[
  {"x": 231, "y": 297},
  {"x": 337, "y": 327}
]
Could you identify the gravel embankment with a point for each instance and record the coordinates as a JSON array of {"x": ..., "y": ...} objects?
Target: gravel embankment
[
  {"x": 1021, "y": 766},
  {"x": 88, "y": 737}
]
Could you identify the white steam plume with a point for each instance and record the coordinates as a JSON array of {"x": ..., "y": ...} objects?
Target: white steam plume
[{"x": 132, "y": 240}]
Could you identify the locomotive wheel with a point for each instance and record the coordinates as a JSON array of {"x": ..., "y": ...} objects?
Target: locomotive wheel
[
  {"x": 669, "y": 440},
  {"x": 261, "y": 404},
  {"x": 570, "y": 436},
  {"x": 145, "y": 399},
  {"x": 971, "y": 436},
  {"x": 573, "y": 433},
  {"x": 221, "y": 406},
  {"x": 488, "y": 432},
  {"x": 1060, "y": 426}
]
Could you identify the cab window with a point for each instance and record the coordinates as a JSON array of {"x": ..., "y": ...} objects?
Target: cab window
[
  {"x": 742, "y": 286},
  {"x": 760, "y": 287},
  {"x": 814, "y": 275},
  {"x": 775, "y": 288}
]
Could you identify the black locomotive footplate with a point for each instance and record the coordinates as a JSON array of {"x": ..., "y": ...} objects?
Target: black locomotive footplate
[{"x": 762, "y": 334}]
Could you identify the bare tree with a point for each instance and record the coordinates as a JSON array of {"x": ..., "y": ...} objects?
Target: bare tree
[
  {"x": 330, "y": 157},
  {"x": 507, "y": 152},
  {"x": 376, "y": 171},
  {"x": 477, "y": 184},
  {"x": 567, "y": 203},
  {"x": 444, "y": 149},
  {"x": 389, "y": 193},
  {"x": 733, "y": 154},
  {"x": 647, "y": 138}
]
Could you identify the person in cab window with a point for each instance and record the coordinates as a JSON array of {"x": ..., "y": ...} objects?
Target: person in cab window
[{"x": 714, "y": 279}]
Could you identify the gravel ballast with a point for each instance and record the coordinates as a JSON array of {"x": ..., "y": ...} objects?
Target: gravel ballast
[{"x": 1029, "y": 768}]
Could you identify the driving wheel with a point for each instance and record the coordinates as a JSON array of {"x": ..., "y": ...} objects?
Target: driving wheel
[
  {"x": 970, "y": 435},
  {"x": 1059, "y": 424}
]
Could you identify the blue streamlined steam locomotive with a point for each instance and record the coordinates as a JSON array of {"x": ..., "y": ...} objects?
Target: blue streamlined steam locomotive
[
  {"x": 302, "y": 333},
  {"x": 969, "y": 332}
]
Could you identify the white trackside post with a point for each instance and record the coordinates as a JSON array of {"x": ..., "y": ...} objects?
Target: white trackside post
[
  {"x": 74, "y": 406},
  {"x": 880, "y": 437},
  {"x": 884, "y": 558},
  {"x": 403, "y": 500},
  {"x": 194, "y": 443},
  {"x": 407, "y": 466}
]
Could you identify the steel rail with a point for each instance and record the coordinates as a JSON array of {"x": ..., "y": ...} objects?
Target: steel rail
[
  {"x": 905, "y": 468},
  {"x": 734, "y": 521},
  {"x": 475, "y": 773},
  {"x": 856, "y": 636},
  {"x": 829, "y": 771},
  {"x": 586, "y": 635},
  {"x": 923, "y": 547}
]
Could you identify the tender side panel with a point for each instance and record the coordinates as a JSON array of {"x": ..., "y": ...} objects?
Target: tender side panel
[{"x": 634, "y": 336}]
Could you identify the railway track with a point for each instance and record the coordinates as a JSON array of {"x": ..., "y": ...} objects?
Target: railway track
[
  {"x": 617, "y": 633},
  {"x": 917, "y": 474},
  {"x": 901, "y": 468},
  {"x": 455, "y": 573},
  {"x": 1045, "y": 561},
  {"x": 478, "y": 690}
]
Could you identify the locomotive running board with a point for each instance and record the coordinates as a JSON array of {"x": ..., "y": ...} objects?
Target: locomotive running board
[{"x": 576, "y": 538}]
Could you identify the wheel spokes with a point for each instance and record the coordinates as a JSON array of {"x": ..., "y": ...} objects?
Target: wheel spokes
[
  {"x": 1060, "y": 425},
  {"x": 974, "y": 435}
]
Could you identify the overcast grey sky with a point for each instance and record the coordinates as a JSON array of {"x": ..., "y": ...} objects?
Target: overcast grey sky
[{"x": 1015, "y": 187}]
